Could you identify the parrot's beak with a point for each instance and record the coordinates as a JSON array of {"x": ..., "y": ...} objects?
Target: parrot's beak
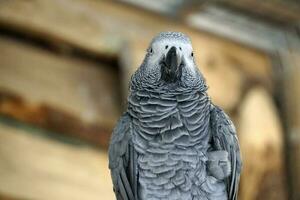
[{"x": 171, "y": 66}]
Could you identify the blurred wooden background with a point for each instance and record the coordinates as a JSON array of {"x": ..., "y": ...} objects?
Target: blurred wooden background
[{"x": 64, "y": 72}]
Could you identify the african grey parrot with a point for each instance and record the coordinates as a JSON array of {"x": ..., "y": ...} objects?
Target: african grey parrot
[{"x": 173, "y": 142}]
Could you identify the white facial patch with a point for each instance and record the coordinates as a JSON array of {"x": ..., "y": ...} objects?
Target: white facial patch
[{"x": 160, "y": 49}]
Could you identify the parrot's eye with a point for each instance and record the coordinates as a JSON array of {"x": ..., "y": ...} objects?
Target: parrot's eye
[
  {"x": 151, "y": 50},
  {"x": 192, "y": 54},
  {"x": 166, "y": 46}
]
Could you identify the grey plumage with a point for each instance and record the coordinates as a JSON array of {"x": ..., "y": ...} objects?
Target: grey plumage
[{"x": 172, "y": 142}]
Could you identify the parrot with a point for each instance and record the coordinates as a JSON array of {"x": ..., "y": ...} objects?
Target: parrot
[{"x": 172, "y": 142}]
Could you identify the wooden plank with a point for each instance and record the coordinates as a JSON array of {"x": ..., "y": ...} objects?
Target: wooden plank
[
  {"x": 71, "y": 29},
  {"x": 34, "y": 167},
  {"x": 16, "y": 107},
  {"x": 58, "y": 92},
  {"x": 291, "y": 96}
]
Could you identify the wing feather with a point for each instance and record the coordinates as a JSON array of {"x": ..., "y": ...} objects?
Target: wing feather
[
  {"x": 224, "y": 138},
  {"x": 122, "y": 160}
]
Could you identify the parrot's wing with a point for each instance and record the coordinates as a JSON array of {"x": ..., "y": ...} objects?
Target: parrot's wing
[
  {"x": 122, "y": 160},
  {"x": 224, "y": 138}
]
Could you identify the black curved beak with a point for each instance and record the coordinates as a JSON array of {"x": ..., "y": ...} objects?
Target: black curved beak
[{"x": 170, "y": 68}]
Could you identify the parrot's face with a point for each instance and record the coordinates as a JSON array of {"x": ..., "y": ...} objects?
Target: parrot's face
[
  {"x": 169, "y": 62},
  {"x": 170, "y": 56}
]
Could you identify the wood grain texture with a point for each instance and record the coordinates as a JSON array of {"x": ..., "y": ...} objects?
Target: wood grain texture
[
  {"x": 81, "y": 88},
  {"x": 59, "y": 92},
  {"x": 34, "y": 167}
]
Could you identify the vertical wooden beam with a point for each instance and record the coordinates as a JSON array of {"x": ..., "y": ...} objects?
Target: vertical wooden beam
[{"x": 291, "y": 61}]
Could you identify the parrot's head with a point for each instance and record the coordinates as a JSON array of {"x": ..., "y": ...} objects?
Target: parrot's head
[{"x": 169, "y": 63}]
